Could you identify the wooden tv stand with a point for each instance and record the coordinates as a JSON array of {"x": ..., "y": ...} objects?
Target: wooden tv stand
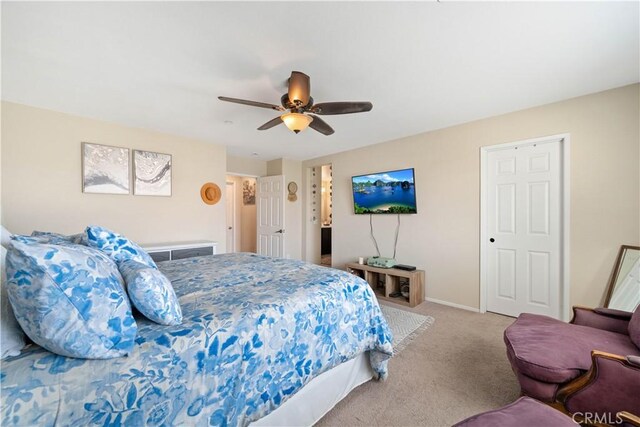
[{"x": 385, "y": 281}]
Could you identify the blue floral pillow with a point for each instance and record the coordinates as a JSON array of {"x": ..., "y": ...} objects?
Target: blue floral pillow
[
  {"x": 56, "y": 238},
  {"x": 70, "y": 300},
  {"x": 151, "y": 293},
  {"x": 118, "y": 247}
]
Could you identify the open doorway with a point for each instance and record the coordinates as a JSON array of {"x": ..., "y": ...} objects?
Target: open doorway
[
  {"x": 241, "y": 213},
  {"x": 326, "y": 215}
]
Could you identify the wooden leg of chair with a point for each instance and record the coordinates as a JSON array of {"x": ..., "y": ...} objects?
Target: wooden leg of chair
[{"x": 629, "y": 418}]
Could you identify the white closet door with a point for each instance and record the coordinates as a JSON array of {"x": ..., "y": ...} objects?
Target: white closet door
[
  {"x": 523, "y": 220},
  {"x": 230, "y": 201},
  {"x": 270, "y": 207}
]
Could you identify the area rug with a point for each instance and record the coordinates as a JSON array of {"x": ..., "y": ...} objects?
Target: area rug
[{"x": 405, "y": 325}]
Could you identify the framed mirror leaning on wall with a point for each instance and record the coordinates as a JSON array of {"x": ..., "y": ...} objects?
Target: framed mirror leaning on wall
[{"x": 623, "y": 292}]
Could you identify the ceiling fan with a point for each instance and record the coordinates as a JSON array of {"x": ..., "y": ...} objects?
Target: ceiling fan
[{"x": 302, "y": 110}]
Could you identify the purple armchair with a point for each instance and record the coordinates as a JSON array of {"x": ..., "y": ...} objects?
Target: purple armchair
[
  {"x": 528, "y": 412},
  {"x": 590, "y": 365}
]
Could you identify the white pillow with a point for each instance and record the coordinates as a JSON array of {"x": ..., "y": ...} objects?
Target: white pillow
[
  {"x": 11, "y": 335},
  {"x": 5, "y": 239}
]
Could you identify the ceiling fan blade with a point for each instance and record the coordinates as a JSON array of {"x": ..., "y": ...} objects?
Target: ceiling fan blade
[
  {"x": 299, "y": 88},
  {"x": 271, "y": 123},
  {"x": 320, "y": 125},
  {"x": 251, "y": 103},
  {"x": 331, "y": 108}
]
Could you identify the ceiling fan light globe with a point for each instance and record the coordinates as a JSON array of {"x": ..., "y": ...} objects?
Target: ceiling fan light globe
[{"x": 296, "y": 122}]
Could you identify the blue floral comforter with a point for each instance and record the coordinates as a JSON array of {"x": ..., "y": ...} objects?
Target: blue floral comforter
[{"x": 255, "y": 331}]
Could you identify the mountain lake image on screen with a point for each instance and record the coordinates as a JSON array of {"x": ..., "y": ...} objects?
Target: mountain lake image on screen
[{"x": 391, "y": 192}]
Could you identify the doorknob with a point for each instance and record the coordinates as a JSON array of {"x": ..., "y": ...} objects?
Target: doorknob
[
  {"x": 280, "y": 231},
  {"x": 492, "y": 240},
  {"x": 230, "y": 228}
]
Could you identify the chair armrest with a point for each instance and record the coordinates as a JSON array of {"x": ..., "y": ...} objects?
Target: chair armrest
[
  {"x": 612, "y": 312},
  {"x": 612, "y": 322},
  {"x": 634, "y": 360},
  {"x": 628, "y": 418},
  {"x": 610, "y": 386}
]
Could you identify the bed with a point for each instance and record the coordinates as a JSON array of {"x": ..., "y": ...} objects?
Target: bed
[{"x": 261, "y": 339}]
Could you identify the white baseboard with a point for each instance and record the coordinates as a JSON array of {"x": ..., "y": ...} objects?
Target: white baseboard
[{"x": 453, "y": 304}]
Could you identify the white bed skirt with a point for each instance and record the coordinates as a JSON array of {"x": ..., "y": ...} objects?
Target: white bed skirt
[{"x": 321, "y": 394}]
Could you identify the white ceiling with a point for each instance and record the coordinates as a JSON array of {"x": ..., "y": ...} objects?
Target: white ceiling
[{"x": 424, "y": 66}]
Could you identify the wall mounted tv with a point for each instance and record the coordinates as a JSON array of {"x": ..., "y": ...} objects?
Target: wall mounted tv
[{"x": 392, "y": 192}]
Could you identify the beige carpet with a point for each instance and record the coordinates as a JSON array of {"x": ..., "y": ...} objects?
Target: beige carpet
[{"x": 456, "y": 368}]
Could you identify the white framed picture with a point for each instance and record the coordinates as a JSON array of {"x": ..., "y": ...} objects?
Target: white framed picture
[
  {"x": 105, "y": 169},
  {"x": 151, "y": 173},
  {"x": 249, "y": 192}
]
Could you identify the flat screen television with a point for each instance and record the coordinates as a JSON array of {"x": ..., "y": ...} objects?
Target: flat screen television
[{"x": 392, "y": 192}]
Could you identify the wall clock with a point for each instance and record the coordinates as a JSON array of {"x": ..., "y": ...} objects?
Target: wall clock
[{"x": 293, "y": 189}]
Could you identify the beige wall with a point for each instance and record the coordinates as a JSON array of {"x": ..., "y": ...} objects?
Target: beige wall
[
  {"x": 274, "y": 167},
  {"x": 246, "y": 166},
  {"x": 443, "y": 238},
  {"x": 1, "y": 218},
  {"x": 248, "y": 242},
  {"x": 41, "y": 180},
  {"x": 292, "y": 171}
]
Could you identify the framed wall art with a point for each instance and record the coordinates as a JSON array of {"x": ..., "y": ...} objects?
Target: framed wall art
[
  {"x": 151, "y": 173},
  {"x": 105, "y": 169},
  {"x": 249, "y": 192}
]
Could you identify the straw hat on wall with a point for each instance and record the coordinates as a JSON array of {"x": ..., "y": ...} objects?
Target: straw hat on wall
[{"x": 210, "y": 193}]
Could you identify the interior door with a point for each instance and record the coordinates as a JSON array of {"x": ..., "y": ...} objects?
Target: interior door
[
  {"x": 231, "y": 216},
  {"x": 523, "y": 220},
  {"x": 270, "y": 206}
]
